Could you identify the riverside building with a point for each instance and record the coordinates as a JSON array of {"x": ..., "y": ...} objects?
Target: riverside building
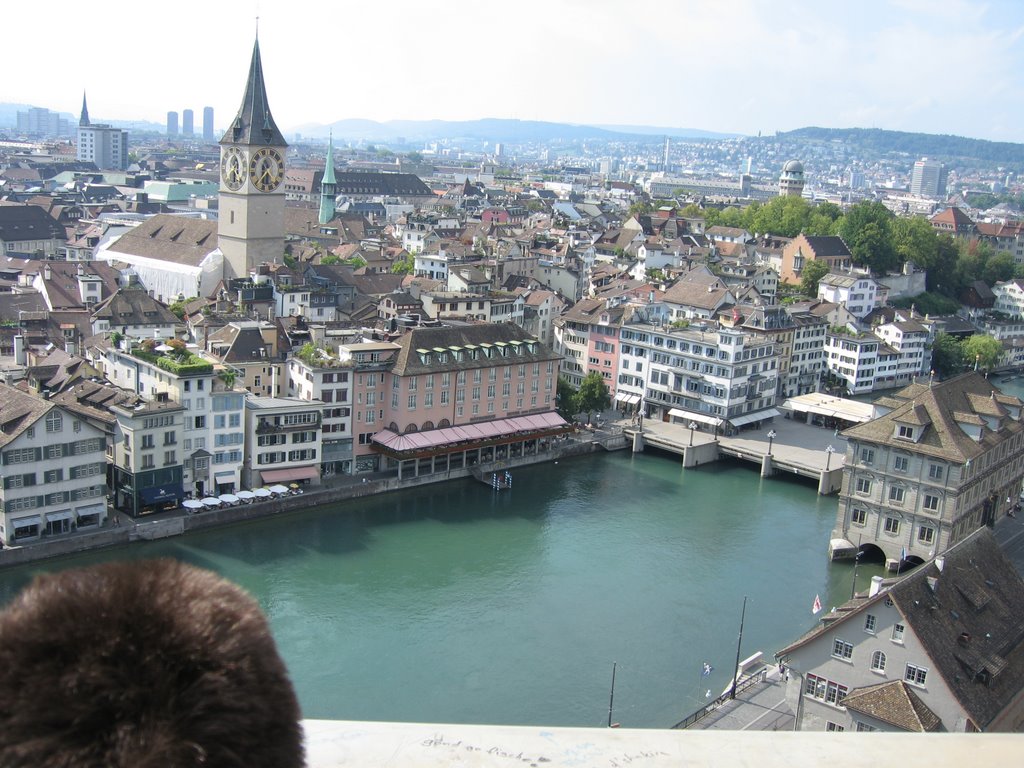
[{"x": 938, "y": 461}]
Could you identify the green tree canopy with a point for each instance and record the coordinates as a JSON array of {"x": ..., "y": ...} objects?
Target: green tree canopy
[
  {"x": 947, "y": 355},
  {"x": 866, "y": 230},
  {"x": 982, "y": 351},
  {"x": 811, "y": 275},
  {"x": 404, "y": 265},
  {"x": 593, "y": 394}
]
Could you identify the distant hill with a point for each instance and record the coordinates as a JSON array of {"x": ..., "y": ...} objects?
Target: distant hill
[
  {"x": 487, "y": 129},
  {"x": 673, "y": 133},
  {"x": 937, "y": 146}
]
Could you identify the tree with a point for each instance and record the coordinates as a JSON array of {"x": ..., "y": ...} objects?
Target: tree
[
  {"x": 404, "y": 265},
  {"x": 330, "y": 259},
  {"x": 811, "y": 275},
  {"x": 592, "y": 395},
  {"x": 982, "y": 352},
  {"x": 565, "y": 398},
  {"x": 178, "y": 307},
  {"x": 947, "y": 355},
  {"x": 998, "y": 268},
  {"x": 866, "y": 228}
]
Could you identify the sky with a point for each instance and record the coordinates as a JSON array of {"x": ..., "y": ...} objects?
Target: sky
[{"x": 742, "y": 66}]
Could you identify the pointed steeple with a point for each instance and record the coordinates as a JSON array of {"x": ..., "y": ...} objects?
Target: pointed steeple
[
  {"x": 254, "y": 125},
  {"x": 84, "y": 119},
  {"x": 328, "y": 185}
]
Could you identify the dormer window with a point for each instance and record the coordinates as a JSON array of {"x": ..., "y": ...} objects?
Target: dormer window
[{"x": 905, "y": 432}]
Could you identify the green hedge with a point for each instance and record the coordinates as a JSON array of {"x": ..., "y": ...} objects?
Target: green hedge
[{"x": 190, "y": 364}]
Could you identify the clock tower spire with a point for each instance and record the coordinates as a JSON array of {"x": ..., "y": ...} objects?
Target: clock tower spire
[{"x": 251, "y": 220}]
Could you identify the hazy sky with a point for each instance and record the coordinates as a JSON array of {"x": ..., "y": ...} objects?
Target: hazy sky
[{"x": 737, "y": 66}]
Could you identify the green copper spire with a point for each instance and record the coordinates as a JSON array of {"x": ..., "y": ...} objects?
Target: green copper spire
[
  {"x": 254, "y": 125},
  {"x": 328, "y": 186}
]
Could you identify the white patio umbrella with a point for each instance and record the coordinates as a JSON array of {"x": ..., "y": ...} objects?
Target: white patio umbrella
[
  {"x": 212, "y": 501},
  {"x": 229, "y": 498},
  {"x": 246, "y": 495},
  {"x": 262, "y": 493},
  {"x": 192, "y": 504},
  {"x": 279, "y": 489}
]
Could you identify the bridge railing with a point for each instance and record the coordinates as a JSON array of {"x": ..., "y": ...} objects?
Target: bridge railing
[{"x": 707, "y": 709}]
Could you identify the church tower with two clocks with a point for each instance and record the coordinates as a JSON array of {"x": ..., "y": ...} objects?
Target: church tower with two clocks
[{"x": 250, "y": 227}]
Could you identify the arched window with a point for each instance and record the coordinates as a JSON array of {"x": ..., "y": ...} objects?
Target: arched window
[
  {"x": 878, "y": 661},
  {"x": 428, "y": 425},
  {"x": 444, "y": 423},
  {"x": 411, "y": 428}
]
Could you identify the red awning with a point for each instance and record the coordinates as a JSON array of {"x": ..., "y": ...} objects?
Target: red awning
[
  {"x": 293, "y": 473},
  {"x": 485, "y": 430}
]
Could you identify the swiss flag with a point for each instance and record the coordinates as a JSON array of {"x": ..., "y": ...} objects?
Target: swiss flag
[{"x": 816, "y": 608}]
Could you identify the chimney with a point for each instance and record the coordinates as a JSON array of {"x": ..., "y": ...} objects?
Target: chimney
[
  {"x": 876, "y": 586},
  {"x": 940, "y": 562},
  {"x": 47, "y": 273}
]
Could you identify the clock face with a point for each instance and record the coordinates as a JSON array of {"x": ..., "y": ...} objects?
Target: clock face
[
  {"x": 232, "y": 168},
  {"x": 266, "y": 169}
]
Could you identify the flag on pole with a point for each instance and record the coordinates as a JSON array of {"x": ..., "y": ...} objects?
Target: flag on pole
[
  {"x": 706, "y": 670},
  {"x": 816, "y": 608}
]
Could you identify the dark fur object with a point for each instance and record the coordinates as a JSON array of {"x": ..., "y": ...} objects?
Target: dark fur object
[{"x": 144, "y": 664}]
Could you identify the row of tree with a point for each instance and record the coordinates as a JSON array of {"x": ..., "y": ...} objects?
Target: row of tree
[
  {"x": 951, "y": 355},
  {"x": 877, "y": 239}
]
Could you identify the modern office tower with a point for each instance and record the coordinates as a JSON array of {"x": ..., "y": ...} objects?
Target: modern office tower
[
  {"x": 186, "y": 123},
  {"x": 928, "y": 178},
  {"x": 103, "y": 145},
  {"x": 207, "y": 123},
  {"x": 172, "y": 123},
  {"x": 38, "y": 121}
]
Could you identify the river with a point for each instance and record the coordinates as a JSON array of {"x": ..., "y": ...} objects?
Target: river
[{"x": 456, "y": 603}]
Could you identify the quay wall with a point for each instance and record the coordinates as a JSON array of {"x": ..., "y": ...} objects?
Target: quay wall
[{"x": 178, "y": 522}]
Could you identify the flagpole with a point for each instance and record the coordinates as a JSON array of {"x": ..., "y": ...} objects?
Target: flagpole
[
  {"x": 739, "y": 641},
  {"x": 611, "y": 697}
]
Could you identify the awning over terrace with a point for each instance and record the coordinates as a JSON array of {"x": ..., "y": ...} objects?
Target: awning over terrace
[{"x": 495, "y": 430}]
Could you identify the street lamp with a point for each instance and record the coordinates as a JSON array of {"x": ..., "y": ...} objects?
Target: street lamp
[
  {"x": 693, "y": 426},
  {"x": 829, "y": 450},
  {"x": 771, "y": 436}
]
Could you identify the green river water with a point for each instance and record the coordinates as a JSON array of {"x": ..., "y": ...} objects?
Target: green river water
[{"x": 456, "y": 603}]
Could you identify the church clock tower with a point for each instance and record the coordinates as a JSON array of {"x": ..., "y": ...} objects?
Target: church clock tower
[{"x": 250, "y": 227}]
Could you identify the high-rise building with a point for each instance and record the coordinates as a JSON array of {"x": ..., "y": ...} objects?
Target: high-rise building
[
  {"x": 928, "y": 178},
  {"x": 250, "y": 227},
  {"x": 42, "y": 122},
  {"x": 172, "y": 123},
  {"x": 103, "y": 145},
  {"x": 207, "y": 123},
  {"x": 186, "y": 123}
]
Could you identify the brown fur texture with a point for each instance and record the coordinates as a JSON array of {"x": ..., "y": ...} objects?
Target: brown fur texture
[{"x": 143, "y": 664}]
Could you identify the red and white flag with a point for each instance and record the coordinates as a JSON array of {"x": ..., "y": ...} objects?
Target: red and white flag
[{"x": 816, "y": 608}]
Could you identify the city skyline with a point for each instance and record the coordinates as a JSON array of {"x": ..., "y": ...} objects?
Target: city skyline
[{"x": 907, "y": 65}]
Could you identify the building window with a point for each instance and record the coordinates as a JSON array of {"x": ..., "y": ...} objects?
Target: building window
[
  {"x": 863, "y": 486},
  {"x": 858, "y": 516},
  {"x": 869, "y": 623},
  {"x": 53, "y": 421},
  {"x": 931, "y": 503},
  {"x": 926, "y": 534},
  {"x": 867, "y": 455},
  {"x": 901, "y": 464},
  {"x": 892, "y": 526},
  {"x": 897, "y": 632},
  {"x": 915, "y": 675},
  {"x": 896, "y": 494},
  {"x": 878, "y": 662},
  {"x": 904, "y": 432},
  {"x": 833, "y": 727},
  {"x": 825, "y": 690},
  {"x": 842, "y": 649},
  {"x": 934, "y": 471}
]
